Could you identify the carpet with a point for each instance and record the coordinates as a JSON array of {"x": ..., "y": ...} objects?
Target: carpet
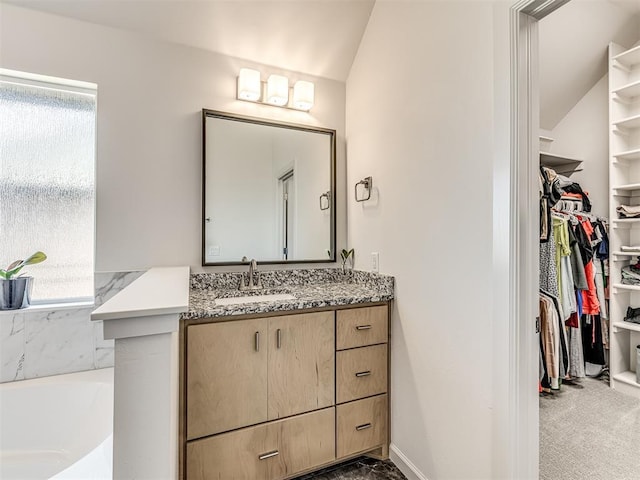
[{"x": 590, "y": 433}]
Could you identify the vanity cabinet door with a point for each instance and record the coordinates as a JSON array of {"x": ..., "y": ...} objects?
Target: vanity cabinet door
[
  {"x": 301, "y": 363},
  {"x": 226, "y": 376},
  {"x": 270, "y": 451}
]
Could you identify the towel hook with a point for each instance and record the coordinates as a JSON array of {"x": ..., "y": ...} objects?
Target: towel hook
[
  {"x": 367, "y": 183},
  {"x": 326, "y": 195}
]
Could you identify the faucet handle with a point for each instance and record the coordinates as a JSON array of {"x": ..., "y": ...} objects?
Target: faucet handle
[{"x": 242, "y": 286}]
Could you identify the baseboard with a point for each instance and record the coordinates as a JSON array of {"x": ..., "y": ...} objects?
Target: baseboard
[{"x": 405, "y": 465}]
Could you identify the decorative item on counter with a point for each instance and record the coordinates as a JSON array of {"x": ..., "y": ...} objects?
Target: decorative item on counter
[
  {"x": 16, "y": 291},
  {"x": 347, "y": 256}
]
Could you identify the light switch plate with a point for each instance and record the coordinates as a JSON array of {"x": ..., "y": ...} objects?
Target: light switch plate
[{"x": 375, "y": 262}]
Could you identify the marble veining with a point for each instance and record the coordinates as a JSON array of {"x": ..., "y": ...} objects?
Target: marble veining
[
  {"x": 12, "y": 351},
  {"x": 312, "y": 288},
  {"x": 362, "y": 468},
  {"x": 36, "y": 343}
]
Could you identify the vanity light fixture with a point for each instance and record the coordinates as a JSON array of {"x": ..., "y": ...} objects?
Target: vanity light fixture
[
  {"x": 303, "y": 95},
  {"x": 249, "y": 85},
  {"x": 275, "y": 91}
]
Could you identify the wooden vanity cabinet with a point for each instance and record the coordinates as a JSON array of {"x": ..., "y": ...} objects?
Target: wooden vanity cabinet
[
  {"x": 226, "y": 376},
  {"x": 272, "y": 397},
  {"x": 301, "y": 362},
  {"x": 362, "y": 381}
]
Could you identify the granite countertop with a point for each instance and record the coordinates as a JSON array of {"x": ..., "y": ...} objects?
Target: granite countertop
[{"x": 312, "y": 288}]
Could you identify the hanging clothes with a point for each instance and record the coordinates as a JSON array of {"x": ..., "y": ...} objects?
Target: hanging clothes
[
  {"x": 590, "y": 303},
  {"x": 573, "y": 281}
]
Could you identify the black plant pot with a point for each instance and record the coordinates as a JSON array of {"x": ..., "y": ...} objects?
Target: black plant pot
[{"x": 15, "y": 293}]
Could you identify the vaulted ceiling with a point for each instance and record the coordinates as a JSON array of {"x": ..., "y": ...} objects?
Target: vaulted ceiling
[
  {"x": 316, "y": 37},
  {"x": 573, "y": 50},
  {"x": 321, "y": 37}
]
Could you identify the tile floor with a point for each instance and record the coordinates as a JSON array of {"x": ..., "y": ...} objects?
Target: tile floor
[{"x": 361, "y": 468}]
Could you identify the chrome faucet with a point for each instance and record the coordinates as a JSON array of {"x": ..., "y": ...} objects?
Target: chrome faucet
[{"x": 254, "y": 280}]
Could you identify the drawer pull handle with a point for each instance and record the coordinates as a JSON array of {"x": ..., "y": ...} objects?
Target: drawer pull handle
[
  {"x": 363, "y": 427},
  {"x": 363, "y": 374},
  {"x": 363, "y": 327},
  {"x": 264, "y": 456},
  {"x": 279, "y": 338},
  {"x": 257, "y": 341}
]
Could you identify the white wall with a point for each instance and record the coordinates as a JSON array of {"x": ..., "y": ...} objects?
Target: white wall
[
  {"x": 312, "y": 177},
  {"x": 420, "y": 120},
  {"x": 150, "y": 97},
  {"x": 241, "y": 192},
  {"x": 583, "y": 134}
]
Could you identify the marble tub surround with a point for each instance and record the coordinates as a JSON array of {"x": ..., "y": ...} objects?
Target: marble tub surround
[
  {"x": 38, "y": 342},
  {"x": 312, "y": 288}
]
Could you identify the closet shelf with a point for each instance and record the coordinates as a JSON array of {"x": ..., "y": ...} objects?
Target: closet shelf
[
  {"x": 624, "y": 256},
  {"x": 561, "y": 164},
  {"x": 628, "y": 91},
  {"x": 629, "y": 58},
  {"x": 627, "y": 326},
  {"x": 627, "y": 188},
  {"x": 628, "y": 155},
  {"x": 625, "y": 222},
  {"x": 622, "y": 286},
  {"x": 629, "y": 122},
  {"x": 627, "y": 377}
]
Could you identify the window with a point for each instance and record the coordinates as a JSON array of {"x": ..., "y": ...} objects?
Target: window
[{"x": 47, "y": 183}]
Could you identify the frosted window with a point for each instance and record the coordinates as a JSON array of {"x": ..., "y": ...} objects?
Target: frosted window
[{"x": 47, "y": 191}]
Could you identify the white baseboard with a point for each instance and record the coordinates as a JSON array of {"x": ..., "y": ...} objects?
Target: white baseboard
[{"x": 405, "y": 465}]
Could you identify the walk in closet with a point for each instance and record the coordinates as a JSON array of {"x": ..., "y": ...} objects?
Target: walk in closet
[{"x": 589, "y": 296}]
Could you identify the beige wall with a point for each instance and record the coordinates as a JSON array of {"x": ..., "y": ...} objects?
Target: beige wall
[
  {"x": 150, "y": 97},
  {"x": 420, "y": 120}
]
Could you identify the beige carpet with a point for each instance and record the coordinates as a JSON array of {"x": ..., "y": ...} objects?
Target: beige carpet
[{"x": 591, "y": 433}]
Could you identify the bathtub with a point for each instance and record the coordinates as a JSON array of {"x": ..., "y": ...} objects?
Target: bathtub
[{"x": 57, "y": 427}]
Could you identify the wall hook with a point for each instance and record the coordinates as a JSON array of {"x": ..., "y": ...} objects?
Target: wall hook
[
  {"x": 327, "y": 204},
  {"x": 367, "y": 183}
]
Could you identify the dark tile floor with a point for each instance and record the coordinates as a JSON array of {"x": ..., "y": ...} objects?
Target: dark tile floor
[{"x": 361, "y": 468}]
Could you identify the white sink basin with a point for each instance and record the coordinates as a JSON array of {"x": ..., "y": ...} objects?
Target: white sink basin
[{"x": 275, "y": 297}]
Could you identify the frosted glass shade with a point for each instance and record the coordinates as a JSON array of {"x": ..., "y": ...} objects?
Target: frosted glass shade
[
  {"x": 249, "y": 85},
  {"x": 277, "y": 90},
  {"x": 303, "y": 95}
]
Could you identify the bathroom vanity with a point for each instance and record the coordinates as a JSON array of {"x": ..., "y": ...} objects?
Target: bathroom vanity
[{"x": 271, "y": 389}]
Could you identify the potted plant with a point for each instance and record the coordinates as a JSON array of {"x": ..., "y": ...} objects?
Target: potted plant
[
  {"x": 15, "y": 291},
  {"x": 347, "y": 256}
]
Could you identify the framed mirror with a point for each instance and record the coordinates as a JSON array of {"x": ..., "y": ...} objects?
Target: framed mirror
[{"x": 268, "y": 191}]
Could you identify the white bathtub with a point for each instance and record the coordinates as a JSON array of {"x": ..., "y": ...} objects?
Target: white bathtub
[{"x": 57, "y": 427}]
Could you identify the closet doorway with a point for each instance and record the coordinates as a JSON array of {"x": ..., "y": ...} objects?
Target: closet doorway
[{"x": 526, "y": 146}]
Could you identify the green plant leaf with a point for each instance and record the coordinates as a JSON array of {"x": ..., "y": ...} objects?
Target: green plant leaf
[
  {"x": 18, "y": 265},
  {"x": 35, "y": 258},
  {"x": 13, "y": 265}
]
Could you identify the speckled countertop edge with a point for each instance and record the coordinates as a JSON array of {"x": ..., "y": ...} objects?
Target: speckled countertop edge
[{"x": 312, "y": 288}]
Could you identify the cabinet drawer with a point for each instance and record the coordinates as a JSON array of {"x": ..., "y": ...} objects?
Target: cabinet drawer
[
  {"x": 358, "y": 327},
  {"x": 361, "y": 425},
  {"x": 361, "y": 372},
  {"x": 271, "y": 451}
]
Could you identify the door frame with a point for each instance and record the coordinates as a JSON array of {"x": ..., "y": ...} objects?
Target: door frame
[{"x": 524, "y": 235}]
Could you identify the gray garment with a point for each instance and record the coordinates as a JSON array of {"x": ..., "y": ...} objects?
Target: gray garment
[
  {"x": 577, "y": 268},
  {"x": 597, "y": 263},
  {"x": 576, "y": 354},
  {"x": 548, "y": 269}
]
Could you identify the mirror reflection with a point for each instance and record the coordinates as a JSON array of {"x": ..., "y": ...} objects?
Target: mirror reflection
[{"x": 268, "y": 192}]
